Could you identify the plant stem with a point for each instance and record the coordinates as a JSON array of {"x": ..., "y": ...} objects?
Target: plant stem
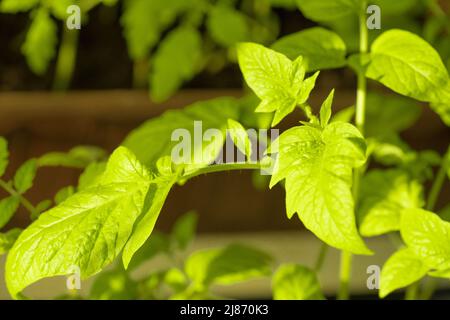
[
  {"x": 223, "y": 167},
  {"x": 66, "y": 59},
  {"x": 412, "y": 291},
  {"x": 344, "y": 276},
  {"x": 27, "y": 204},
  {"x": 361, "y": 94},
  {"x": 321, "y": 257}
]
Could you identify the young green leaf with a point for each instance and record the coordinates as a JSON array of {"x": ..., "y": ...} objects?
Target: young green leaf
[
  {"x": 232, "y": 264},
  {"x": 344, "y": 115},
  {"x": 184, "y": 229},
  {"x": 113, "y": 285},
  {"x": 87, "y": 230},
  {"x": 14, "y": 6},
  {"x": 78, "y": 157},
  {"x": 59, "y": 7},
  {"x": 428, "y": 237},
  {"x": 408, "y": 65},
  {"x": 400, "y": 270},
  {"x": 384, "y": 196},
  {"x": 148, "y": 149},
  {"x": 91, "y": 174},
  {"x": 40, "y": 207},
  {"x": 240, "y": 137},
  {"x": 4, "y": 155},
  {"x": 295, "y": 282},
  {"x": 317, "y": 166},
  {"x": 40, "y": 43},
  {"x": 176, "y": 61},
  {"x": 156, "y": 244},
  {"x": 8, "y": 206},
  {"x": 23, "y": 179},
  {"x": 326, "y": 10},
  {"x": 63, "y": 194},
  {"x": 156, "y": 196},
  {"x": 325, "y": 110},
  {"x": 227, "y": 26},
  {"x": 275, "y": 79},
  {"x": 7, "y": 239},
  {"x": 321, "y": 48}
]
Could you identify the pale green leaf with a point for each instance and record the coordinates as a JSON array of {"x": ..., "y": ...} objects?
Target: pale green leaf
[
  {"x": 408, "y": 65},
  {"x": 7, "y": 239},
  {"x": 183, "y": 231},
  {"x": 428, "y": 237},
  {"x": 113, "y": 285},
  {"x": 63, "y": 194},
  {"x": 59, "y": 7},
  {"x": 321, "y": 48},
  {"x": 295, "y": 282},
  {"x": 384, "y": 196},
  {"x": 8, "y": 206},
  {"x": 176, "y": 61},
  {"x": 212, "y": 114},
  {"x": 13, "y": 6},
  {"x": 400, "y": 270},
  {"x": 275, "y": 79},
  {"x": 88, "y": 230},
  {"x": 325, "y": 10},
  {"x": 240, "y": 137},
  {"x": 232, "y": 264},
  {"x": 156, "y": 244},
  {"x": 39, "y": 208},
  {"x": 39, "y": 47},
  {"x": 24, "y": 177},
  {"x": 227, "y": 26},
  {"x": 78, "y": 157},
  {"x": 317, "y": 165},
  {"x": 91, "y": 174},
  {"x": 325, "y": 110},
  {"x": 344, "y": 115},
  {"x": 4, "y": 155}
]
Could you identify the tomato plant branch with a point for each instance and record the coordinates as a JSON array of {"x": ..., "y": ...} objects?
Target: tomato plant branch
[
  {"x": 27, "y": 204},
  {"x": 321, "y": 257},
  {"x": 361, "y": 95},
  {"x": 222, "y": 167}
]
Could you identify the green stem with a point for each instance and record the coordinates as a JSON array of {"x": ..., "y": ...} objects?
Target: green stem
[
  {"x": 27, "y": 204},
  {"x": 65, "y": 64},
  {"x": 412, "y": 291},
  {"x": 361, "y": 95},
  {"x": 222, "y": 167},
  {"x": 344, "y": 276},
  {"x": 321, "y": 257}
]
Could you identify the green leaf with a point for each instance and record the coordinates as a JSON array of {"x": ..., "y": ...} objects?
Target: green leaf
[
  {"x": 91, "y": 174},
  {"x": 408, "y": 65},
  {"x": 78, "y": 157},
  {"x": 14, "y": 6},
  {"x": 344, "y": 115},
  {"x": 183, "y": 231},
  {"x": 325, "y": 10},
  {"x": 154, "y": 201},
  {"x": 7, "y": 239},
  {"x": 63, "y": 194},
  {"x": 387, "y": 114},
  {"x": 227, "y": 26},
  {"x": 240, "y": 137},
  {"x": 317, "y": 165},
  {"x": 176, "y": 61},
  {"x": 232, "y": 264},
  {"x": 428, "y": 237},
  {"x": 156, "y": 244},
  {"x": 59, "y": 7},
  {"x": 321, "y": 48},
  {"x": 384, "y": 196},
  {"x": 24, "y": 177},
  {"x": 88, "y": 230},
  {"x": 4, "y": 155},
  {"x": 8, "y": 206},
  {"x": 40, "y": 207},
  {"x": 400, "y": 270},
  {"x": 295, "y": 282},
  {"x": 325, "y": 110},
  {"x": 444, "y": 213},
  {"x": 143, "y": 22},
  {"x": 148, "y": 149},
  {"x": 113, "y": 285},
  {"x": 39, "y": 47},
  {"x": 443, "y": 110},
  {"x": 397, "y": 7},
  {"x": 275, "y": 79}
]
